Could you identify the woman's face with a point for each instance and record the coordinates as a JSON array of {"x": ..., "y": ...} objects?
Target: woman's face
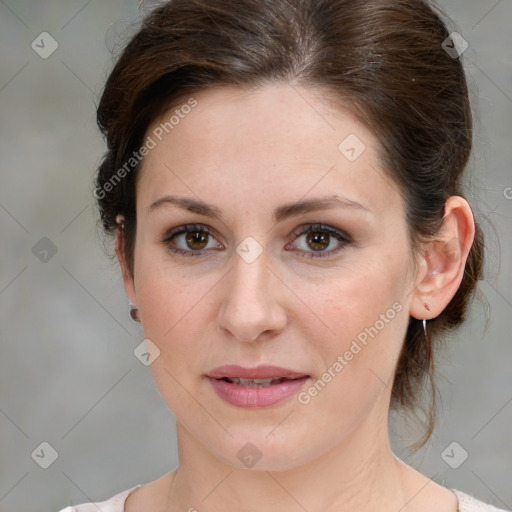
[{"x": 329, "y": 302}]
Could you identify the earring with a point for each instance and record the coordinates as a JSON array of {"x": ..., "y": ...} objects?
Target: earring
[
  {"x": 134, "y": 313},
  {"x": 424, "y": 320}
]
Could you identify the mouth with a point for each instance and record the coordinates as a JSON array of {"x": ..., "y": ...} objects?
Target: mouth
[
  {"x": 263, "y": 375},
  {"x": 263, "y": 386},
  {"x": 259, "y": 383}
]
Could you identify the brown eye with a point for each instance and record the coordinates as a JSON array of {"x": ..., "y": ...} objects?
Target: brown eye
[
  {"x": 197, "y": 240},
  {"x": 190, "y": 240},
  {"x": 319, "y": 238},
  {"x": 318, "y": 241}
]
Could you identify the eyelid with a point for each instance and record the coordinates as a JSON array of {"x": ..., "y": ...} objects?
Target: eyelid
[{"x": 305, "y": 228}]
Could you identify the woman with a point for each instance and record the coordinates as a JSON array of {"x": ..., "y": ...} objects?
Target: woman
[{"x": 284, "y": 181}]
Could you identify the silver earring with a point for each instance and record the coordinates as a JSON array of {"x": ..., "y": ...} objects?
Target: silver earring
[
  {"x": 427, "y": 307},
  {"x": 134, "y": 313}
]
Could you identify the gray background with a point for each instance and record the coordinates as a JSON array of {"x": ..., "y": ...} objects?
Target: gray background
[{"x": 68, "y": 375}]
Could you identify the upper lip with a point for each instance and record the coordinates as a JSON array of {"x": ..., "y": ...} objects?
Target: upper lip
[{"x": 260, "y": 372}]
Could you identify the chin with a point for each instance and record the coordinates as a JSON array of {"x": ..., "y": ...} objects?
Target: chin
[{"x": 256, "y": 452}]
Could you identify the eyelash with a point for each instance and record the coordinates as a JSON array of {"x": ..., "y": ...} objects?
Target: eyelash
[{"x": 343, "y": 238}]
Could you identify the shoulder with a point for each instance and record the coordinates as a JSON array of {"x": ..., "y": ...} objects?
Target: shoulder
[
  {"x": 469, "y": 504},
  {"x": 150, "y": 496},
  {"x": 114, "y": 504}
]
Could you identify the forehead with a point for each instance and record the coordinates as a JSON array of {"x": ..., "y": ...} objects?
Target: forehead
[{"x": 278, "y": 141}]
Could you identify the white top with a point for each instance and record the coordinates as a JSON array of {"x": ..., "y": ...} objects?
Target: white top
[{"x": 116, "y": 504}]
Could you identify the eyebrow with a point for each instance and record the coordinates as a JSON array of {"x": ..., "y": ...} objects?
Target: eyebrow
[{"x": 280, "y": 213}]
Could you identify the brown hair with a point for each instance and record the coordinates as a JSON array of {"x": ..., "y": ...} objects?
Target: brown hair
[{"x": 382, "y": 59}]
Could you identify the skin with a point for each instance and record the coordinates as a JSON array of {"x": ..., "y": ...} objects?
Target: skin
[{"x": 248, "y": 152}]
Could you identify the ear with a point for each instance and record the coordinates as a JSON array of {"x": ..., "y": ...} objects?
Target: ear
[
  {"x": 129, "y": 285},
  {"x": 443, "y": 262}
]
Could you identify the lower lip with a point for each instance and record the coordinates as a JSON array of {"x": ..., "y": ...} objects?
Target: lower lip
[{"x": 263, "y": 396}]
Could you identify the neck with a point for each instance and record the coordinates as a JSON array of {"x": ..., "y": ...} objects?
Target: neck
[{"x": 359, "y": 474}]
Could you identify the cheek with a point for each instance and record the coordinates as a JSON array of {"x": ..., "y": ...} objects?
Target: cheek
[
  {"x": 366, "y": 312},
  {"x": 167, "y": 294},
  {"x": 358, "y": 366},
  {"x": 173, "y": 313},
  {"x": 175, "y": 307},
  {"x": 355, "y": 296}
]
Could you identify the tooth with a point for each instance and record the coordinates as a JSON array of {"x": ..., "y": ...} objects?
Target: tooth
[{"x": 256, "y": 381}]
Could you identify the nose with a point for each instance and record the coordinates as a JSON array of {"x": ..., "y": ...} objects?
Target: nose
[{"x": 252, "y": 305}]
